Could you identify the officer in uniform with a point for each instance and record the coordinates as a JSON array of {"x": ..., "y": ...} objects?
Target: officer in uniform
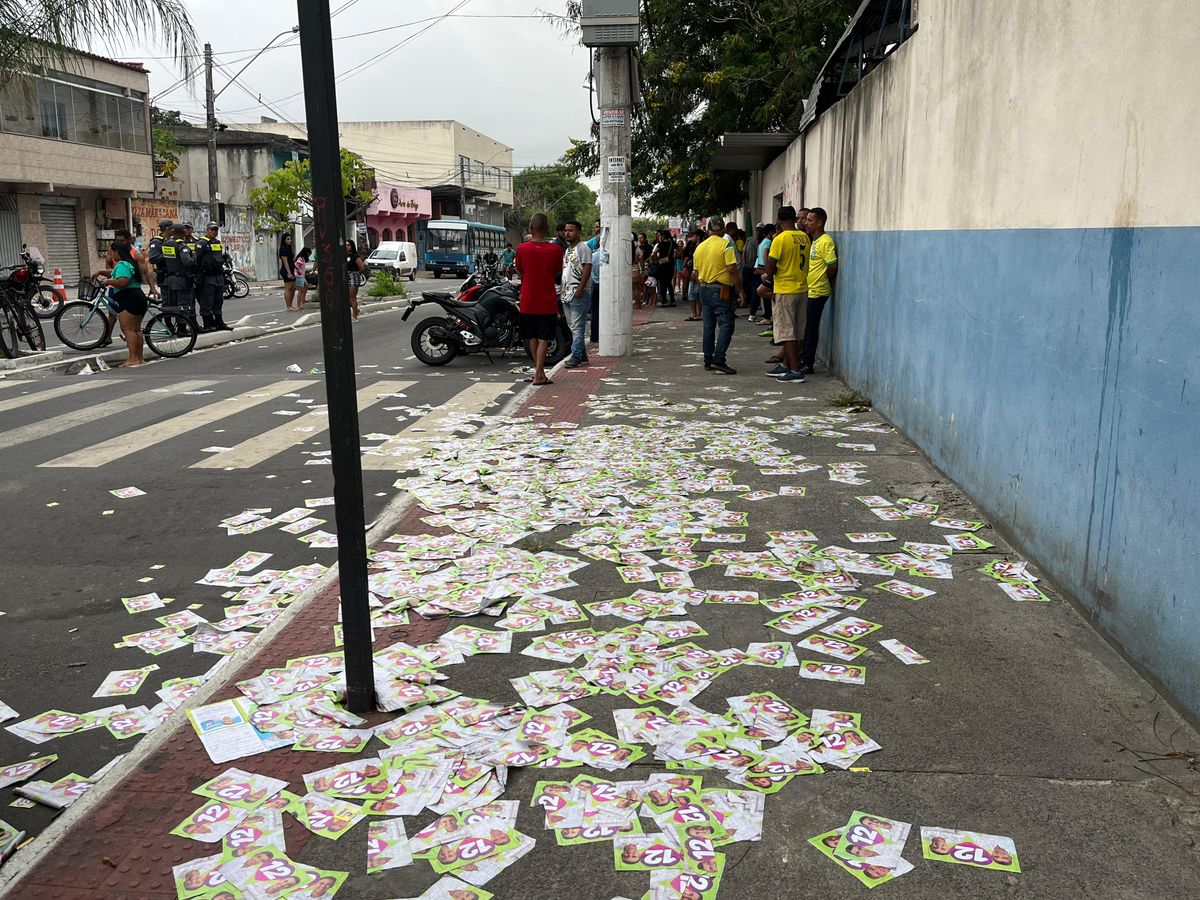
[
  {"x": 193, "y": 245},
  {"x": 154, "y": 253},
  {"x": 179, "y": 265},
  {"x": 210, "y": 275}
]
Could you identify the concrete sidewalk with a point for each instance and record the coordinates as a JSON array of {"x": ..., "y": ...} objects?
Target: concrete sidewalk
[{"x": 1023, "y": 724}]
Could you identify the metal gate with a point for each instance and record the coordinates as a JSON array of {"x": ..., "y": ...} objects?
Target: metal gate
[
  {"x": 10, "y": 231},
  {"x": 62, "y": 242}
]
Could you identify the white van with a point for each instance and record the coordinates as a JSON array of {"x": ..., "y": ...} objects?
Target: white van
[{"x": 397, "y": 257}]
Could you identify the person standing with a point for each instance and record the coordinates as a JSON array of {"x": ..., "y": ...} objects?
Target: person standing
[
  {"x": 538, "y": 260},
  {"x": 301, "y": 269},
  {"x": 766, "y": 235},
  {"x": 691, "y": 285},
  {"x": 210, "y": 272},
  {"x": 506, "y": 260},
  {"x": 576, "y": 279},
  {"x": 822, "y": 276},
  {"x": 750, "y": 278},
  {"x": 664, "y": 269},
  {"x": 122, "y": 276},
  {"x": 287, "y": 269},
  {"x": 179, "y": 264},
  {"x": 192, "y": 243},
  {"x": 594, "y": 245},
  {"x": 787, "y": 265},
  {"x": 716, "y": 269},
  {"x": 356, "y": 276},
  {"x": 154, "y": 254}
]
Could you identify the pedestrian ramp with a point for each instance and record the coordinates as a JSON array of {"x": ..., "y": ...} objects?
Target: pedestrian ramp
[{"x": 249, "y": 414}]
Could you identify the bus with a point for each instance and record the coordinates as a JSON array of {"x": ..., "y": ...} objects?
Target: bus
[{"x": 452, "y": 245}]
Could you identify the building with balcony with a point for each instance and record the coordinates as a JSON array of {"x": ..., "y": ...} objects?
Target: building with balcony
[{"x": 74, "y": 152}]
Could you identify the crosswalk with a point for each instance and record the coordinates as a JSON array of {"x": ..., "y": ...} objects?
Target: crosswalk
[{"x": 224, "y": 407}]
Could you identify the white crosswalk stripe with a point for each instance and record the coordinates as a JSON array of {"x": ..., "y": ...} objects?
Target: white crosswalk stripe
[
  {"x": 398, "y": 453},
  {"x": 262, "y": 447},
  {"x": 66, "y": 421},
  {"x": 51, "y": 393},
  {"x": 122, "y": 446}
]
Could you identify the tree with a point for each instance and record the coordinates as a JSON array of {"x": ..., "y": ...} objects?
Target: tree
[
  {"x": 555, "y": 191},
  {"x": 648, "y": 225},
  {"x": 286, "y": 194},
  {"x": 37, "y": 33},
  {"x": 164, "y": 147},
  {"x": 710, "y": 67}
]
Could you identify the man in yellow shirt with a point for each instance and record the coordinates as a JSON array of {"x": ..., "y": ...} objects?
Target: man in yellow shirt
[
  {"x": 714, "y": 267},
  {"x": 822, "y": 276},
  {"x": 787, "y": 264}
]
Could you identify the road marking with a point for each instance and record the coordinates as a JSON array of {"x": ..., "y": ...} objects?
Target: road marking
[
  {"x": 429, "y": 428},
  {"x": 261, "y": 448},
  {"x": 39, "y": 396},
  {"x": 112, "y": 450},
  {"x": 90, "y": 414}
]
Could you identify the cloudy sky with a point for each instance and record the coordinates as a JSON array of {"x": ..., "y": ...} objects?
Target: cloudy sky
[{"x": 494, "y": 65}]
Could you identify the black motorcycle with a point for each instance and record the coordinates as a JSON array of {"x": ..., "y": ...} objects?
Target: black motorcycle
[
  {"x": 236, "y": 283},
  {"x": 482, "y": 318}
]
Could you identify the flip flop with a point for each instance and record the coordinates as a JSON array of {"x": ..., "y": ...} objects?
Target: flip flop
[
  {"x": 529, "y": 380},
  {"x": 542, "y": 383}
]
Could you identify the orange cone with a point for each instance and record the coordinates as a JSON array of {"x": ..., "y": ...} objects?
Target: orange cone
[{"x": 59, "y": 287}]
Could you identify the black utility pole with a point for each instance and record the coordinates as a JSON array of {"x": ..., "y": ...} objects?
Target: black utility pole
[{"x": 329, "y": 220}]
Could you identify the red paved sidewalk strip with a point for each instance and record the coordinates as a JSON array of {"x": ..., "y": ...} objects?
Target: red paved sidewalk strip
[{"x": 123, "y": 848}]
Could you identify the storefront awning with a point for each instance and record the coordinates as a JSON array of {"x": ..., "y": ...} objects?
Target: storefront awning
[{"x": 750, "y": 152}]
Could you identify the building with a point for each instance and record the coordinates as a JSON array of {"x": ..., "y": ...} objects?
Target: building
[
  {"x": 468, "y": 174},
  {"x": 74, "y": 151},
  {"x": 244, "y": 159},
  {"x": 396, "y": 212}
]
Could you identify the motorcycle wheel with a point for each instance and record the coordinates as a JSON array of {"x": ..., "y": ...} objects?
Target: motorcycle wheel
[
  {"x": 560, "y": 346},
  {"x": 46, "y": 303},
  {"x": 428, "y": 347},
  {"x": 241, "y": 286}
]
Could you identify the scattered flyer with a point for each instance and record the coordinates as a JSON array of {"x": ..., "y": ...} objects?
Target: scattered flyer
[
  {"x": 873, "y": 838},
  {"x": 969, "y": 848},
  {"x": 128, "y": 492},
  {"x": 904, "y": 653},
  {"x": 387, "y": 846},
  {"x": 10, "y": 839},
  {"x": 245, "y": 790},
  {"x": 143, "y": 602},
  {"x": 211, "y": 822},
  {"x": 904, "y": 589},
  {"x": 18, "y": 772},
  {"x": 124, "y": 682},
  {"x": 819, "y": 671},
  {"x": 869, "y": 873},
  {"x": 225, "y": 730}
]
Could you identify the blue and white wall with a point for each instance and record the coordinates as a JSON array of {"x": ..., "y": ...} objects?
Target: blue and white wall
[{"x": 1016, "y": 197}]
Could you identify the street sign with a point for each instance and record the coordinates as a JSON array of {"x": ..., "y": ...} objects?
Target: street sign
[{"x": 612, "y": 118}]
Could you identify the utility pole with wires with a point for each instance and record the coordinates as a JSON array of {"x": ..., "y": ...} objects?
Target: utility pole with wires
[
  {"x": 210, "y": 108},
  {"x": 462, "y": 188}
]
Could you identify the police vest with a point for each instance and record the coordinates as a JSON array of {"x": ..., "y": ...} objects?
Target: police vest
[
  {"x": 174, "y": 256},
  {"x": 214, "y": 257}
]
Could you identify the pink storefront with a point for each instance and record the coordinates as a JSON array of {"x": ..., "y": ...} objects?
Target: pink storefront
[{"x": 394, "y": 215}]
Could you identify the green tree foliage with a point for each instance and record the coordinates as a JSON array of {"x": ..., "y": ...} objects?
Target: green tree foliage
[
  {"x": 709, "y": 67},
  {"x": 42, "y": 32},
  {"x": 555, "y": 191},
  {"x": 286, "y": 194},
  {"x": 648, "y": 225},
  {"x": 165, "y": 148}
]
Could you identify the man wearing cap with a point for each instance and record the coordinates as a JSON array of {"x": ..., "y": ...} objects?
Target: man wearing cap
[
  {"x": 715, "y": 264},
  {"x": 787, "y": 265},
  {"x": 192, "y": 243},
  {"x": 154, "y": 254},
  {"x": 210, "y": 276},
  {"x": 179, "y": 264}
]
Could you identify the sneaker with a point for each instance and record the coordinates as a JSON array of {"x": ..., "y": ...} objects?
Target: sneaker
[
  {"x": 707, "y": 366},
  {"x": 797, "y": 377},
  {"x": 573, "y": 363},
  {"x": 780, "y": 369},
  {"x": 807, "y": 370},
  {"x": 767, "y": 333},
  {"x": 726, "y": 370}
]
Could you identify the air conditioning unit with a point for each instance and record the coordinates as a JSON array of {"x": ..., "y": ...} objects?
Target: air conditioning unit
[{"x": 610, "y": 23}]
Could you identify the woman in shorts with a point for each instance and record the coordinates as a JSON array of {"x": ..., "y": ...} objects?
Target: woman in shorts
[
  {"x": 287, "y": 269},
  {"x": 356, "y": 276},
  {"x": 122, "y": 277}
]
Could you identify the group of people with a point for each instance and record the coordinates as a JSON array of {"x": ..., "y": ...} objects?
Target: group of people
[
  {"x": 789, "y": 270},
  {"x": 177, "y": 266},
  {"x": 293, "y": 270}
]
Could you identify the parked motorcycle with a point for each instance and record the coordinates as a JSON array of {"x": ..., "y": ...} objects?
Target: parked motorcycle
[
  {"x": 236, "y": 283},
  {"x": 483, "y": 317}
]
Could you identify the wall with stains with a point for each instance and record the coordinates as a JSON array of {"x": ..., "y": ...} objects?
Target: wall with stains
[{"x": 1018, "y": 214}]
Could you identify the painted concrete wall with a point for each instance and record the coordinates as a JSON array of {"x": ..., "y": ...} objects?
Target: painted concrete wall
[{"x": 1018, "y": 214}]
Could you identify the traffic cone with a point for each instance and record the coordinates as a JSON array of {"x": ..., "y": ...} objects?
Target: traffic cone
[{"x": 59, "y": 288}]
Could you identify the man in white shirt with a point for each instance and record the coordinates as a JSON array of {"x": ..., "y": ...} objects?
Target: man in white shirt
[{"x": 576, "y": 301}]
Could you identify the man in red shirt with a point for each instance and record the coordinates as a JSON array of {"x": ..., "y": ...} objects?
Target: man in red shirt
[{"x": 538, "y": 261}]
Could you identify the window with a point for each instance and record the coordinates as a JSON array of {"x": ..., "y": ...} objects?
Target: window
[
  {"x": 444, "y": 240},
  {"x": 478, "y": 172},
  {"x": 464, "y": 167},
  {"x": 65, "y": 108}
]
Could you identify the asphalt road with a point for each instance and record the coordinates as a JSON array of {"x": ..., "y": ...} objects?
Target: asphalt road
[{"x": 72, "y": 550}]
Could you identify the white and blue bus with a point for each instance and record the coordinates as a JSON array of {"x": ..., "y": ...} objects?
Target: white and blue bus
[{"x": 451, "y": 245}]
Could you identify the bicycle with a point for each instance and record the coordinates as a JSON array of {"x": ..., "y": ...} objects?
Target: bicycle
[
  {"x": 87, "y": 323},
  {"x": 19, "y": 320}
]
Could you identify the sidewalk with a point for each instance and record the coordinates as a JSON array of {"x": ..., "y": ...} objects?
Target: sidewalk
[{"x": 1023, "y": 724}]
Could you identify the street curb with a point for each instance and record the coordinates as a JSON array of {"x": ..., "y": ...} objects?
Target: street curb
[{"x": 74, "y": 365}]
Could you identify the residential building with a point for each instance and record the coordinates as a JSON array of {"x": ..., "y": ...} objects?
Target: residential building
[
  {"x": 74, "y": 151},
  {"x": 450, "y": 160},
  {"x": 244, "y": 159},
  {"x": 396, "y": 212}
]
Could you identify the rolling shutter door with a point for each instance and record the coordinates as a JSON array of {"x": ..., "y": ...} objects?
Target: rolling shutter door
[
  {"x": 62, "y": 242},
  {"x": 10, "y": 231}
]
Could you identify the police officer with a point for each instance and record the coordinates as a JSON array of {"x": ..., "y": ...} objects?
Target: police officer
[
  {"x": 210, "y": 275},
  {"x": 154, "y": 252},
  {"x": 179, "y": 265}
]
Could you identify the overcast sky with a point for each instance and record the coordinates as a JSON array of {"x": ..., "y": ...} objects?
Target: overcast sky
[{"x": 492, "y": 66}]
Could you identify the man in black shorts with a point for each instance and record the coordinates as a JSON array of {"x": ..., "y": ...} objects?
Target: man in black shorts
[{"x": 538, "y": 261}]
